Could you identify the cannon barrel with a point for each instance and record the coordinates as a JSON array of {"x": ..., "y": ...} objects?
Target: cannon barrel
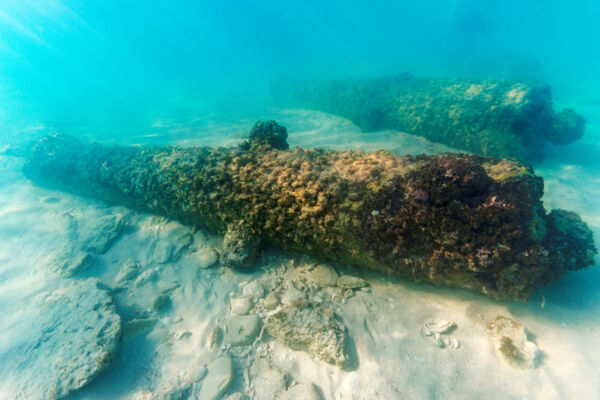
[
  {"x": 454, "y": 219},
  {"x": 498, "y": 118}
]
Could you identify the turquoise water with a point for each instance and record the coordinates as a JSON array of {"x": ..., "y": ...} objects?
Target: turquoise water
[
  {"x": 77, "y": 66},
  {"x": 199, "y": 73}
]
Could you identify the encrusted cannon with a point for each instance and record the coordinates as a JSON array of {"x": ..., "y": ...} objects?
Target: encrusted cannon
[
  {"x": 459, "y": 220},
  {"x": 498, "y": 118}
]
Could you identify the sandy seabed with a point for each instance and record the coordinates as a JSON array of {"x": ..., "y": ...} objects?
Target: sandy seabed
[{"x": 100, "y": 302}]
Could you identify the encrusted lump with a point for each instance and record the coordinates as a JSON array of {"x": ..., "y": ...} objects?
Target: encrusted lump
[
  {"x": 314, "y": 328},
  {"x": 452, "y": 219}
]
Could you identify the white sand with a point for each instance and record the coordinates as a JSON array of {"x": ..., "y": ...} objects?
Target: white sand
[{"x": 394, "y": 359}]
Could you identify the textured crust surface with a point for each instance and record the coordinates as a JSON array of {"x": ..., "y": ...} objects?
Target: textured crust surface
[
  {"x": 489, "y": 117},
  {"x": 458, "y": 220}
]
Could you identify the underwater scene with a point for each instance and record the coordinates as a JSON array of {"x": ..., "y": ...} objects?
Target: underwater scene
[{"x": 321, "y": 200}]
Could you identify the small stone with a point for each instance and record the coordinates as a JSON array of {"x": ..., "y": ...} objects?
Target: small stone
[
  {"x": 173, "y": 393},
  {"x": 253, "y": 290},
  {"x": 173, "y": 239},
  {"x": 240, "y": 305},
  {"x": 197, "y": 373},
  {"x": 215, "y": 337},
  {"x": 74, "y": 332},
  {"x": 348, "y": 293},
  {"x": 145, "y": 277},
  {"x": 73, "y": 264},
  {"x": 313, "y": 328},
  {"x": 271, "y": 301},
  {"x": 437, "y": 340},
  {"x": 238, "y": 396},
  {"x": 510, "y": 340},
  {"x": 179, "y": 334},
  {"x": 160, "y": 301},
  {"x": 441, "y": 326},
  {"x": 162, "y": 252},
  {"x": 304, "y": 391},
  {"x": 206, "y": 257},
  {"x": 168, "y": 287},
  {"x": 453, "y": 344},
  {"x": 137, "y": 326},
  {"x": 217, "y": 380},
  {"x": 267, "y": 380},
  {"x": 242, "y": 330},
  {"x": 293, "y": 297},
  {"x": 128, "y": 271},
  {"x": 351, "y": 282},
  {"x": 324, "y": 275},
  {"x": 98, "y": 237}
]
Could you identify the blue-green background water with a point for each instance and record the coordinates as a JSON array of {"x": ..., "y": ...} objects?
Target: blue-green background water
[{"x": 93, "y": 66}]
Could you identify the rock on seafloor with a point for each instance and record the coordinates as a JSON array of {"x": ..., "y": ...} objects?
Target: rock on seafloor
[
  {"x": 313, "y": 328},
  {"x": 70, "y": 264},
  {"x": 73, "y": 338},
  {"x": 271, "y": 301},
  {"x": 268, "y": 381},
  {"x": 205, "y": 257},
  {"x": 240, "y": 305},
  {"x": 128, "y": 271},
  {"x": 253, "y": 290},
  {"x": 217, "y": 380},
  {"x": 173, "y": 239},
  {"x": 242, "y": 330},
  {"x": 98, "y": 236},
  {"x": 324, "y": 275},
  {"x": 350, "y": 282},
  {"x": 510, "y": 341},
  {"x": 300, "y": 391}
]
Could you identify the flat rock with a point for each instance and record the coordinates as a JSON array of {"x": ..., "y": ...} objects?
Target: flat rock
[
  {"x": 324, "y": 275},
  {"x": 137, "y": 326},
  {"x": 72, "y": 339},
  {"x": 267, "y": 380},
  {"x": 161, "y": 252},
  {"x": 217, "y": 380},
  {"x": 314, "y": 329},
  {"x": 98, "y": 234},
  {"x": 128, "y": 271},
  {"x": 293, "y": 297},
  {"x": 238, "y": 396},
  {"x": 271, "y": 301},
  {"x": 206, "y": 257},
  {"x": 173, "y": 239},
  {"x": 173, "y": 393},
  {"x": 179, "y": 335},
  {"x": 432, "y": 327},
  {"x": 148, "y": 275},
  {"x": 350, "y": 282},
  {"x": 242, "y": 330},
  {"x": 72, "y": 263},
  {"x": 302, "y": 391},
  {"x": 253, "y": 290},
  {"x": 510, "y": 340},
  {"x": 160, "y": 301},
  {"x": 240, "y": 305}
]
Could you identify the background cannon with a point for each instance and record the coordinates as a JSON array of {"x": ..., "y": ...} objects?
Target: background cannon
[{"x": 489, "y": 117}]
